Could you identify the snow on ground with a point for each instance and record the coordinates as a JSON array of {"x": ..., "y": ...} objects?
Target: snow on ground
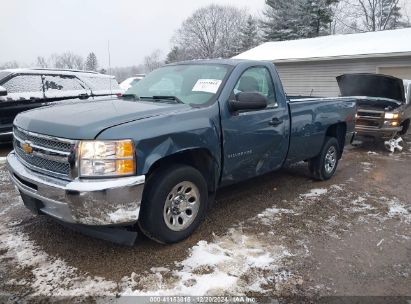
[
  {"x": 50, "y": 276},
  {"x": 372, "y": 153},
  {"x": 216, "y": 268},
  {"x": 211, "y": 268},
  {"x": 225, "y": 265},
  {"x": 314, "y": 193},
  {"x": 367, "y": 166},
  {"x": 2, "y": 160},
  {"x": 398, "y": 210}
]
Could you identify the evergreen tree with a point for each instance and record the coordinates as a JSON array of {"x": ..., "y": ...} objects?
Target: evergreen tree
[
  {"x": 280, "y": 20},
  {"x": 294, "y": 19},
  {"x": 249, "y": 35},
  {"x": 91, "y": 62},
  {"x": 177, "y": 54}
]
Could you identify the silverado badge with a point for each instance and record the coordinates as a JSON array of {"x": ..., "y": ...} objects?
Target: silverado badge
[{"x": 27, "y": 148}]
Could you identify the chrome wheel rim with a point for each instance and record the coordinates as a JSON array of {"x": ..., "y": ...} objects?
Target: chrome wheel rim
[
  {"x": 181, "y": 206},
  {"x": 330, "y": 159}
]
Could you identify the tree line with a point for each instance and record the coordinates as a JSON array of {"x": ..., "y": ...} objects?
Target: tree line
[
  {"x": 67, "y": 60},
  {"x": 223, "y": 31}
]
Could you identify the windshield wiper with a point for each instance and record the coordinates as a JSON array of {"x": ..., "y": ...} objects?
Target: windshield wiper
[
  {"x": 134, "y": 96},
  {"x": 173, "y": 98}
]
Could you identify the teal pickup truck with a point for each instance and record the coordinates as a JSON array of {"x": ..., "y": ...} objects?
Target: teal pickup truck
[{"x": 157, "y": 155}]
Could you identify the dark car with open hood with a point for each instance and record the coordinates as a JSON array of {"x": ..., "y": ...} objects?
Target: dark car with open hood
[
  {"x": 384, "y": 107},
  {"x": 26, "y": 89}
]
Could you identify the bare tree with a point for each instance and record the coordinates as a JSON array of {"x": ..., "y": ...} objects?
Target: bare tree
[
  {"x": 41, "y": 62},
  {"x": 379, "y": 14},
  {"x": 67, "y": 60},
  {"x": 153, "y": 61},
  {"x": 368, "y": 15},
  {"x": 211, "y": 32},
  {"x": 9, "y": 65}
]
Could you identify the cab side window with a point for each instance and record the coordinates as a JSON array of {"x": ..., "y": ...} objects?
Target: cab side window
[
  {"x": 258, "y": 80},
  {"x": 62, "y": 86},
  {"x": 24, "y": 84},
  {"x": 24, "y": 87}
]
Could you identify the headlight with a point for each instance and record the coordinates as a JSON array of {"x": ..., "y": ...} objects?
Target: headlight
[
  {"x": 391, "y": 115},
  {"x": 107, "y": 158}
]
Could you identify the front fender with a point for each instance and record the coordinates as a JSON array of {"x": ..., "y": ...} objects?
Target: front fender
[{"x": 158, "y": 137}]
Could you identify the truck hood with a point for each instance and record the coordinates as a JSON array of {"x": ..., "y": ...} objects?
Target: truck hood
[
  {"x": 85, "y": 120},
  {"x": 387, "y": 90}
]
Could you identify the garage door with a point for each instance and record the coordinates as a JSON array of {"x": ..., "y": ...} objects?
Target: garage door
[{"x": 403, "y": 72}]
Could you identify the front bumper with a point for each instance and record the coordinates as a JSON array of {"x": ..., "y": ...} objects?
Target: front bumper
[
  {"x": 106, "y": 202},
  {"x": 383, "y": 133}
]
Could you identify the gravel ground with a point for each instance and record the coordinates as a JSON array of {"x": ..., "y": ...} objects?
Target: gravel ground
[{"x": 281, "y": 235}]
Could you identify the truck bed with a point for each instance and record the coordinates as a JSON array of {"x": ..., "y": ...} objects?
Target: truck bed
[{"x": 310, "y": 119}]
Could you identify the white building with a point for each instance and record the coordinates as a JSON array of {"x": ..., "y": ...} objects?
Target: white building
[{"x": 309, "y": 66}]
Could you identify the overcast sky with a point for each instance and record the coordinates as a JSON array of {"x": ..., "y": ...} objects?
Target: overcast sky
[{"x": 134, "y": 28}]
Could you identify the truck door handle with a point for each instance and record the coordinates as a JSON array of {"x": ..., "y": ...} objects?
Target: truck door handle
[{"x": 275, "y": 122}]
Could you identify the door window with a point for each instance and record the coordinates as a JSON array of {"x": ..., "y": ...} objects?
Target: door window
[
  {"x": 24, "y": 87},
  {"x": 257, "y": 79},
  {"x": 56, "y": 86}
]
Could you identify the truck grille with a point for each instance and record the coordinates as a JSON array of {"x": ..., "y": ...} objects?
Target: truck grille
[
  {"x": 362, "y": 113},
  {"x": 369, "y": 118},
  {"x": 368, "y": 123},
  {"x": 43, "y": 141},
  {"x": 46, "y": 154}
]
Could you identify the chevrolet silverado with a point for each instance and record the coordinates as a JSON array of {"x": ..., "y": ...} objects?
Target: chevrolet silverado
[{"x": 156, "y": 156}]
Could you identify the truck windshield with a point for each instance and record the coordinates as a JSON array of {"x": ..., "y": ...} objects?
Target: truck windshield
[{"x": 194, "y": 84}]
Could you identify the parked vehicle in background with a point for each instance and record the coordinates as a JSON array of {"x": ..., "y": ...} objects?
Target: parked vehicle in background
[
  {"x": 25, "y": 89},
  {"x": 158, "y": 155},
  {"x": 384, "y": 107},
  {"x": 129, "y": 82}
]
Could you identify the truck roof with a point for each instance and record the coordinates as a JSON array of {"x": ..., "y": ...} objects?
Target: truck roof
[{"x": 231, "y": 62}]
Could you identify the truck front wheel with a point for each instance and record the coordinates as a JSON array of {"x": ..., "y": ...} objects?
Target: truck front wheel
[
  {"x": 174, "y": 204},
  {"x": 324, "y": 165}
]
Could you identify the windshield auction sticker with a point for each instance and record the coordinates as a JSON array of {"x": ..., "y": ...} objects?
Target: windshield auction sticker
[{"x": 207, "y": 85}]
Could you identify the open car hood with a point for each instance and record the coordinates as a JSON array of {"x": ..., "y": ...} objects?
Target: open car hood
[{"x": 372, "y": 85}]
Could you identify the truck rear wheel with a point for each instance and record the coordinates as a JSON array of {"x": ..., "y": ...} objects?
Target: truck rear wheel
[
  {"x": 324, "y": 165},
  {"x": 174, "y": 204}
]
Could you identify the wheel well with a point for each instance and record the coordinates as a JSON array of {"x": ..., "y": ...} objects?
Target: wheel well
[
  {"x": 338, "y": 131},
  {"x": 200, "y": 159}
]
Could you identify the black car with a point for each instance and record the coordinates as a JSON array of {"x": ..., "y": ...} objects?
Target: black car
[
  {"x": 383, "y": 104},
  {"x": 25, "y": 89}
]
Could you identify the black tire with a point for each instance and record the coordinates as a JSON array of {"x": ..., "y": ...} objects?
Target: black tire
[
  {"x": 317, "y": 165},
  {"x": 152, "y": 219}
]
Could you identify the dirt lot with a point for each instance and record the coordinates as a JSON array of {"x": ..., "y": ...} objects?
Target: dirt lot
[{"x": 281, "y": 235}]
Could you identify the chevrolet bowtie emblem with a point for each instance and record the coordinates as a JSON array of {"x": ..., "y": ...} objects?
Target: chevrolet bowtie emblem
[{"x": 27, "y": 148}]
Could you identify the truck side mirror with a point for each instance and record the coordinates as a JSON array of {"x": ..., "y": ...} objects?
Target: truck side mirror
[
  {"x": 3, "y": 91},
  {"x": 248, "y": 101}
]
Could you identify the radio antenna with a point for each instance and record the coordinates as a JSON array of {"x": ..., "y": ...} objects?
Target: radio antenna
[{"x": 109, "y": 64}]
